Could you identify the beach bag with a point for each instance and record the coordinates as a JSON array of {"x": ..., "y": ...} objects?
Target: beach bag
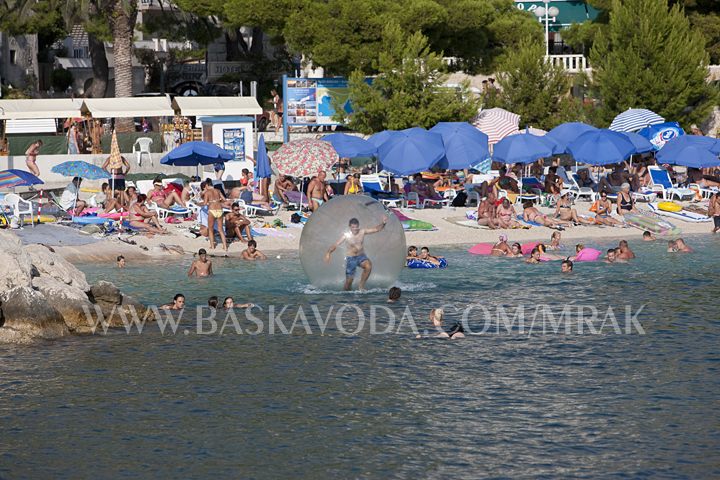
[
  {"x": 295, "y": 218},
  {"x": 460, "y": 199},
  {"x": 595, "y": 206}
]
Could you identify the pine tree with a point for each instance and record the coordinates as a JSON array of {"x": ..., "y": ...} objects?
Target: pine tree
[
  {"x": 534, "y": 89},
  {"x": 408, "y": 90},
  {"x": 649, "y": 57}
]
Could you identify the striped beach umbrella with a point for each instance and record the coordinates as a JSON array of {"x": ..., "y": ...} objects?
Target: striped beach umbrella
[
  {"x": 634, "y": 119},
  {"x": 496, "y": 123},
  {"x": 18, "y": 178}
]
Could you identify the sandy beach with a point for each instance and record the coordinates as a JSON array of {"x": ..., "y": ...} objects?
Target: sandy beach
[{"x": 288, "y": 239}]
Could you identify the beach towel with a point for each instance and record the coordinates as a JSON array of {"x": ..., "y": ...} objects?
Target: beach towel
[
  {"x": 521, "y": 218},
  {"x": 272, "y": 232},
  {"x": 411, "y": 225}
]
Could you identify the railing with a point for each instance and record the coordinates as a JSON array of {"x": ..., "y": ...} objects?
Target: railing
[{"x": 570, "y": 63}]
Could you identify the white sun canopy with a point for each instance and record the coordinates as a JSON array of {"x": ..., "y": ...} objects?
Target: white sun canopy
[
  {"x": 40, "y": 108},
  {"x": 216, "y": 106},
  {"x": 125, "y": 107}
]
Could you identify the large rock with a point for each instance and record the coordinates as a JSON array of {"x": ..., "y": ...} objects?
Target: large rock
[
  {"x": 51, "y": 264},
  {"x": 73, "y": 304},
  {"x": 15, "y": 264},
  {"x": 28, "y": 317},
  {"x": 105, "y": 294}
]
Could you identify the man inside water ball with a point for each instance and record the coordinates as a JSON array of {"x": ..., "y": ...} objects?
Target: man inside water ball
[{"x": 355, "y": 254}]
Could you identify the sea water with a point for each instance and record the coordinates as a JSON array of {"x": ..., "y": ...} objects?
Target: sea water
[{"x": 511, "y": 401}]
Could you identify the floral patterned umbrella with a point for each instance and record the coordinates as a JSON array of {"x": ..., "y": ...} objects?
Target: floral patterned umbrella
[
  {"x": 305, "y": 158},
  {"x": 78, "y": 168}
]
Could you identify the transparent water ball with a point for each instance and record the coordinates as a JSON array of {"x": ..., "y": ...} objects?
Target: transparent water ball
[{"x": 385, "y": 249}]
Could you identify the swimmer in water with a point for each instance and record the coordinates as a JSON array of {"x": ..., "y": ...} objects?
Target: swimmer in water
[
  {"x": 516, "y": 251},
  {"x": 120, "y": 261},
  {"x": 436, "y": 317},
  {"x": 201, "y": 267},
  {"x": 534, "y": 256},
  {"x": 178, "y": 303},
  {"x": 412, "y": 253},
  {"x": 394, "y": 294},
  {"x": 648, "y": 237},
  {"x": 425, "y": 255},
  {"x": 625, "y": 252},
  {"x": 610, "y": 258},
  {"x": 566, "y": 266},
  {"x": 679, "y": 246},
  {"x": 501, "y": 248},
  {"x": 355, "y": 254}
]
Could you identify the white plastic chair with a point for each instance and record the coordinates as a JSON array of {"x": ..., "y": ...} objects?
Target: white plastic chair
[
  {"x": 143, "y": 147},
  {"x": 19, "y": 206},
  {"x": 473, "y": 196},
  {"x": 412, "y": 197},
  {"x": 662, "y": 185}
]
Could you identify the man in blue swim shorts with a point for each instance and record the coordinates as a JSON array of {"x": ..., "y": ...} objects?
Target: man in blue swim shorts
[{"x": 355, "y": 255}]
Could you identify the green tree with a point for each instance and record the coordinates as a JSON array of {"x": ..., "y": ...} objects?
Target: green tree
[
  {"x": 662, "y": 65},
  {"x": 408, "y": 90},
  {"x": 343, "y": 35},
  {"x": 535, "y": 89}
]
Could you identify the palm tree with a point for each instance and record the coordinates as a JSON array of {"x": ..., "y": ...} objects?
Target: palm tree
[{"x": 122, "y": 17}]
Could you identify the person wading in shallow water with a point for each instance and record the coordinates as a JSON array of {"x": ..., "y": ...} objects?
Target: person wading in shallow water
[{"x": 355, "y": 255}]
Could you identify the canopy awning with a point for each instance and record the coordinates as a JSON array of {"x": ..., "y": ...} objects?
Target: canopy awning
[
  {"x": 217, "y": 106},
  {"x": 125, "y": 107},
  {"x": 41, "y": 108}
]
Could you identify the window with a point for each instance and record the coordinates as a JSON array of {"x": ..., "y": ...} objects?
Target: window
[{"x": 13, "y": 57}]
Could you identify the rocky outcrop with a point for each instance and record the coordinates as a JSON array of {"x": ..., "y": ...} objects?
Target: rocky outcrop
[
  {"x": 43, "y": 296},
  {"x": 15, "y": 264},
  {"x": 27, "y": 317}
]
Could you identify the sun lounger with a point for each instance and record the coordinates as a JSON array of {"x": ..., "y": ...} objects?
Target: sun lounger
[
  {"x": 684, "y": 215},
  {"x": 662, "y": 184},
  {"x": 166, "y": 212}
]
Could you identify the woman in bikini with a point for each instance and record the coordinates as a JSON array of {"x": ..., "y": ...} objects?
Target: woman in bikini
[
  {"x": 501, "y": 248},
  {"x": 142, "y": 218},
  {"x": 164, "y": 198},
  {"x": 353, "y": 185},
  {"x": 602, "y": 209},
  {"x": 214, "y": 199},
  {"x": 532, "y": 214},
  {"x": 625, "y": 202},
  {"x": 565, "y": 212},
  {"x": 505, "y": 215},
  {"x": 31, "y": 157}
]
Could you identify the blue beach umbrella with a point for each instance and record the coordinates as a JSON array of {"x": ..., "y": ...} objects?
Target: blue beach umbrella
[
  {"x": 661, "y": 133},
  {"x": 693, "y": 156},
  {"x": 691, "y": 151},
  {"x": 411, "y": 151},
  {"x": 522, "y": 148},
  {"x": 78, "y": 168},
  {"x": 601, "y": 147},
  {"x": 642, "y": 144},
  {"x": 263, "y": 161},
  {"x": 18, "y": 178},
  {"x": 192, "y": 154},
  {"x": 379, "y": 138},
  {"x": 566, "y": 133},
  {"x": 465, "y": 145},
  {"x": 350, "y": 146}
]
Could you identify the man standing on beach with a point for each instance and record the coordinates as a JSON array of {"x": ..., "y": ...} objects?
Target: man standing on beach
[
  {"x": 317, "y": 191},
  {"x": 355, "y": 254},
  {"x": 202, "y": 267}
]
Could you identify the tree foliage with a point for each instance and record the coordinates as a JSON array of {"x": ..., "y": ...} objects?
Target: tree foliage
[
  {"x": 408, "y": 90},
  {"x": 343, "y": 35},
  {"x": 535, "y": 89},
  {"x": 649, "y": 56}
]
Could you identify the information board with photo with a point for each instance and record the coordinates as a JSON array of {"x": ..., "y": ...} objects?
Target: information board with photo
[{"x": 234, "y": 141}]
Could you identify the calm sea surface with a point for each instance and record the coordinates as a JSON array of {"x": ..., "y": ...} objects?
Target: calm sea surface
[{"x": 511, "y": 403}]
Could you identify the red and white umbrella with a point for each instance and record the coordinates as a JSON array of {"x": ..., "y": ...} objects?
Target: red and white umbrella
[
  {"x": 305, "y": 158},
  {"x": 496, "y": 123}
]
